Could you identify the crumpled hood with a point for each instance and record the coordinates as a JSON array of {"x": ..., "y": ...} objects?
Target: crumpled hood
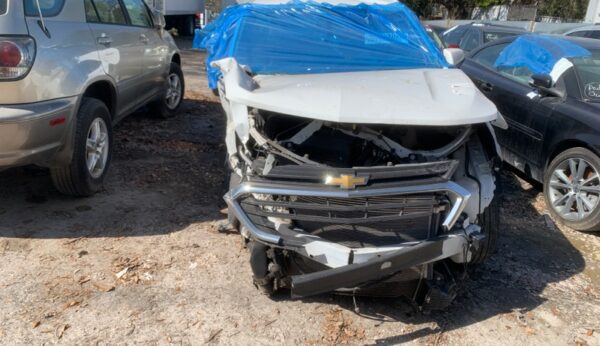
[{"x": 430, "y": 97}]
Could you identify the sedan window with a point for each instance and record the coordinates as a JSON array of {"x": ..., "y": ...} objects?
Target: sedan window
[
  {"x": 583, "y": 33},
  {"x": 109, "y": 11},
  {"x": 588, "y": 71},
  {"x": 470, "y": 41},
  {"x": 488, "y": 56},
  {"x": 490, "y": 36},
  {"x": 138, "y": 13},
  {"x": 50, "y": 8}
]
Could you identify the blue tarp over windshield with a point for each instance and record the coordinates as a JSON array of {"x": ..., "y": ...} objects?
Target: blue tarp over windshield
[
  {"x": 309, "y": 37},
  {"x": 539, "y": 53}
]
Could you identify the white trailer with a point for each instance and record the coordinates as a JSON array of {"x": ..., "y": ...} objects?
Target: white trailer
[
  {"x": 184, "y": 15},
  {"x": 593, "y": 12}
]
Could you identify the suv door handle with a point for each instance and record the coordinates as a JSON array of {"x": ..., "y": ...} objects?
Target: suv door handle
[
  {"x": 144, "y": 39},
  {"x": 104, "y": 40}
]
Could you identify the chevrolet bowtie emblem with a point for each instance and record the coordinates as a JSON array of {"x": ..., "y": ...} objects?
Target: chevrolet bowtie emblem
[{"x": 346, "y": 181}]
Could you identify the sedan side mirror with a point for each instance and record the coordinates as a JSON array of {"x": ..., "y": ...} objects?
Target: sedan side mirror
[
  {"x": 454, "y": 56},
  {"x": 541, "y": 81},
  {"x": 545, "y": 84},
  {"x": 159, "y": 19}
]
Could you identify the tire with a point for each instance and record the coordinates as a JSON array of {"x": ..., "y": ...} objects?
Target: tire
[
  {"x": 75, "y": 179},
  {"x": 561, "y": 182},
  {"x": 162, "y": 106},
  {"x": 489, "y": 222}
]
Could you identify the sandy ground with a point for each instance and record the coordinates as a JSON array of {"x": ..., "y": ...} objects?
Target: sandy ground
[{"x": 143, "y": 261}]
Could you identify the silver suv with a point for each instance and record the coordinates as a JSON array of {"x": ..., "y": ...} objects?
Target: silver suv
[{"x": 70, "y": 70}]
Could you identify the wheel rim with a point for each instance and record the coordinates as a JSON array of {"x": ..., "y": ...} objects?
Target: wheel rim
[
  {"x": 174, "y": 92},
  {"x": 97, "y": 146},
  {"x": 574, "y": 189}
]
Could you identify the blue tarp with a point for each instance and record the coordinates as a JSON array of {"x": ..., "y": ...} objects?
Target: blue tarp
[
  {"x": 539, "y": 53},
  {"x": 309, "y": 37}
]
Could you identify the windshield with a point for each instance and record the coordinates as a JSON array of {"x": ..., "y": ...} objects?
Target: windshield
[
  {"x": 588, "y": 71},
  {"x": 310, "y": 37},
  {"x": 3, "y": 6}
]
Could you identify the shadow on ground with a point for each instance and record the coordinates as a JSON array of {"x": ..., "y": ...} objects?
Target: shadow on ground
[
  {"x": 530, "y": 255},
  {"x": 165, "y": 175}
]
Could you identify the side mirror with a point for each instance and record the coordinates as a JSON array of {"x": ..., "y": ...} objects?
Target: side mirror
[
  {"x": 454, "y": 56},
  {"x": 541, "y": 81},
  {"x": 545, "y": 84},
  {"x": 159, "y": 19}
]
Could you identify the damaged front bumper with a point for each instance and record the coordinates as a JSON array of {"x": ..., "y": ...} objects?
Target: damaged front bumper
[{"x": 348, "y": 267}]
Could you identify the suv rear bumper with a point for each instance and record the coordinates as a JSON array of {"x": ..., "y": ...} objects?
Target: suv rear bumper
[{"x": 33, "y": 133}]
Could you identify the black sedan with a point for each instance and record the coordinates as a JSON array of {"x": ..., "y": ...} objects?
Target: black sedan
[{"x": 553, "y": 121}]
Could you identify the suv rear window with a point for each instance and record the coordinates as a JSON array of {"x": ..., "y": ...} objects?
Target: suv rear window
[
  {"x": 3, "y": 6},
  {"x": 50, "y": 8}
]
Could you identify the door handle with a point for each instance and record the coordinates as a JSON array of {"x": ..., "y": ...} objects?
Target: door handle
[
  {"x": 486, "y": 87},
  {"x": 144, "y": 39},
  {"x": 104, "y": 40}
]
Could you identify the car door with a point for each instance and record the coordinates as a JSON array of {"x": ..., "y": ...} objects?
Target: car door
[
  {"x": 120, "y": 50},
  {"x": 526, "y": 113},
  {"x": 155, "y": 49}
]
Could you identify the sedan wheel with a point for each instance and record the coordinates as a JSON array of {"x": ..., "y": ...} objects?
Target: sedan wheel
[{"x": 572, "y": 188}]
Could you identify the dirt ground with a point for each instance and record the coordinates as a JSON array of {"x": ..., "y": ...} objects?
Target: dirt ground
[{"x": 143, "y": 262}]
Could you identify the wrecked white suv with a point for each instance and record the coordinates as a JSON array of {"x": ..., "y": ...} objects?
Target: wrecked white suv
[{"x": 362, "y": 161}]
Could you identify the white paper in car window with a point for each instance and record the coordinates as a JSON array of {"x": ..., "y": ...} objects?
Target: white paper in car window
[{"x": 592, "y": 90}]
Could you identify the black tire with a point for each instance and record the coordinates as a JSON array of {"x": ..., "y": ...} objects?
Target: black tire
[
  {"x": 160, "y": 106},
  {"x": 489, "y": 222},
  {"x": 75, "y": 179},
  {"x": 592, "y": 221}
]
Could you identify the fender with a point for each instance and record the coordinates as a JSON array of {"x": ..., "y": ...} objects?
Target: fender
[{"x": 65, "y": 154}]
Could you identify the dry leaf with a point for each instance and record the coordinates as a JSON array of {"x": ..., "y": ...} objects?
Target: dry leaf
[
  {"x": 72, "y": 303},
  {"x": 530, "y": 331},
  {"x": 590, "y": 332},
  {"x": 61, "y": 330},
  {"x": 122, "y": 273},
  {"x": 83, "y": 279},
  {"x": 35, "y": 324},
  {"x": 104, "y": 287},
  {"x": 213, "y": 335}
]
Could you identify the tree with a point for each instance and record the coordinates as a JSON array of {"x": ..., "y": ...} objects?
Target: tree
[
  {"x": 574, "y": 9},
  {"x": 423, "y": 8}
]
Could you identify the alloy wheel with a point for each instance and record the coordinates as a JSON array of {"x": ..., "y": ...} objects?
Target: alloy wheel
[
  {"x": 174, "y": 91},
  {"x": 574, "y": 189},
  {"x": 96, "y": 153}
]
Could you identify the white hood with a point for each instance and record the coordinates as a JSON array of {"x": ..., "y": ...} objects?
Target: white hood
[{"x": 429, "y": 97}]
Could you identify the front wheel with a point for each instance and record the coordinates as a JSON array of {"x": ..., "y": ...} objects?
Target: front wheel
[
  {"x": 572, "y": 189},
  {"x": 92, "y": 152},
  {"x": 489, "y": 222}
]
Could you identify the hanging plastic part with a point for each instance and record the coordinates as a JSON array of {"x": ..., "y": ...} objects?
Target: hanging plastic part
[{"x": 301, "y": 37}]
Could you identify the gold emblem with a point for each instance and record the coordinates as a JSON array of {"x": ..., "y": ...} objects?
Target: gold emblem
[{"x": 346, "y": 181}]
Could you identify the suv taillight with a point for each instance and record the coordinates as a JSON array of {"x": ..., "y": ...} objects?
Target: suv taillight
[{"x": 16, "y": 56}]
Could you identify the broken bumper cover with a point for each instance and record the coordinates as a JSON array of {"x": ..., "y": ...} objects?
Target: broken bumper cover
[
  {"x": 357, "y": 274},
  {"x": 353, "y": 267}
]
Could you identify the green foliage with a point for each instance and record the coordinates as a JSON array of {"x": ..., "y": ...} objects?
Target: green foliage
[
  {"x": 573, "y": 9},
  {"x": 422, "y": 8}
]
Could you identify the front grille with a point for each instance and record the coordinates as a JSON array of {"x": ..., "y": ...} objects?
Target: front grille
[{"x": 354, "y": 221}]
